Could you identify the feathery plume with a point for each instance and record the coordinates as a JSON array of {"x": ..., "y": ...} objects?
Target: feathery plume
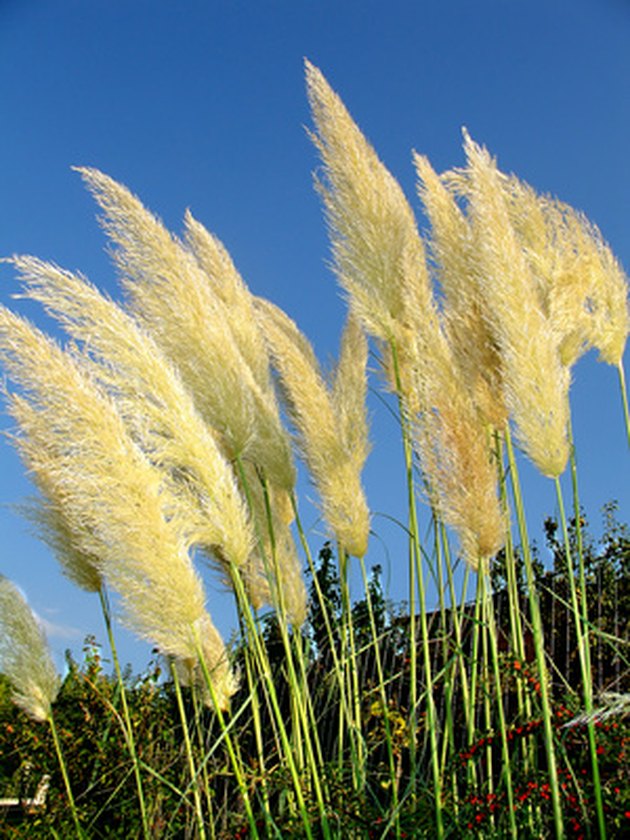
[
  {"x": 536, "y": 383},
  {"x": 172, "y": 297},
  {"x": 381, "y": 263},
  {"x": 124, "y": 510},
  {"x": 272, "y": 574},
  {"x": 333, "y": 448},
  {"x": 454, "y": 250},
  {"x": 379, "y": 255},
  {"x": 51, "y": 526},
  {"x": 349, "y": 393},
  {"x": 151, "y": 398},
  {"x": 24, "y": 656},
  {"x": 611, "y": 704},
  {"x": 601, "y": 310},
  {"x": 452, "y": 442},
  {"x": 286, "y": 568},
  {"x": 228, "y": 285},
  {"x": 583, "y": 286}
]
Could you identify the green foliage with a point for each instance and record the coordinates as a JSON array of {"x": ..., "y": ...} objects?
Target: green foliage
[{"x": 88, "y": 714}]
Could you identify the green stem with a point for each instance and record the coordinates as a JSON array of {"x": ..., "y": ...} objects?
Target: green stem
[
  {"x": 461, "y": 659},
  {"x": 232, "y": 752},
  {"x": 582, "y": 634},
  {"x": 624, "y": 398},
  {"x": 330, "y": 633},
  {"x": 491, "y": 624},
  {"x": 302, "y": 731},
  {"x": 189, "y": 753},
  {"x": 449, "y": 665},
  {"x": 416, "y": 572},
  {"x": 513, "y": 580},
  {"x": 539, "y": 643},
  {"x": 207, "y": 790},
  {"x": 264, "y": 667},
  {"x": 349, "y": 659},
  {"x": 66, "y": 778},
  {"x": 485, "y": 682},
  {"x": 383, "y": 695},
  {"x": 129, "y": 736},
  {"x": 474, "y": 676}
]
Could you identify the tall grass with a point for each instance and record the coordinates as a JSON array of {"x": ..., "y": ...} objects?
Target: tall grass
[{"x": 153, "y": 454}]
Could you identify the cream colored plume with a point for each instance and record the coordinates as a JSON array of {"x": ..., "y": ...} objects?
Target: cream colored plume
[
  {"x": 229, "y": 287},
  {"x": 51, "y": 526},
  {"x": 454, "y": 250},
  {"x": 381, "y": 263},
  {"x": 121, "y": 507},
  {"x": 349, "y": 393},
  {"x": 273, "y": 573},
  {"x": 24, "y": 656},
  {"x": 153, "y": 401},
  {"x": 601, "y": 310},
  {"x": 331, "y": 424},
  {"x": 452, "y": 441},
  {"x": 536, "y": 383},
  {"x": 583, "y": 286},
  {"x": 282, "y": 558},
  {"x": 379, "y": 255},
  {"x": 179, "y": 306}
]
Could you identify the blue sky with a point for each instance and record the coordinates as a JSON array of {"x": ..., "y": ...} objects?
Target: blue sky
[{"x": 202, "y": 105}]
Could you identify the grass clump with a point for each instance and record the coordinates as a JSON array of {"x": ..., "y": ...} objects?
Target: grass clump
[{"x": 333, "y": 714}]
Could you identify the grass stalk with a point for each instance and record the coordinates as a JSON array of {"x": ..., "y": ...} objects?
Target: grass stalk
[
  {"x": 235, "y": 760},
  {"x": 262, "y": 661},
  {"x": 305, "y": 735},
  {"x": 624, "y": 398},
  {"x": 486, "y": 683},
  {"x": 203, "y": 768},
  {"x": 448, "y": 742},
  {"x": 345, "y": 717},
  {"x": 65, "y": 776},
  {"x": 349, "y": 658},
  {"x": 192, "y": 769},
  {"x": 383, "y": 697},
  {"x": 432, "y": 721},
  {"x": 461, "y": 659},
  {"x": 490, "y": 622},
  {"x": 416, "y": 577},
  {"x": 474, "y": 679},
  {"x": 581, "y": 629},
  {"x": 128, "y": 728},
  {"x": 538, "y": 638},
  {"x": 517, "y": 639}
]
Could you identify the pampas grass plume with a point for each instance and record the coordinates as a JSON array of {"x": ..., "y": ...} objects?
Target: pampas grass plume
[
  {"x": 379, "y": 254},
  {"x": 24, "y": 656},
  {"x": 331, "y": 425},
  {"x": 123, "y": 510},
  {"x": 536, "y": 382},
  {"x": 179, "y": 306},
  {"x": 156, "y": 406},
  {"x": 453, "y": 248}
]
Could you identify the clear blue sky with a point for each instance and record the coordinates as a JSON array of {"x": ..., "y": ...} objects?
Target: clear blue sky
[{"x": 201, "y": 104}]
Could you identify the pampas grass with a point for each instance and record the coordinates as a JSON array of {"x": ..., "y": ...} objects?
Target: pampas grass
[
  {"x": 332, "y": 425},
  {"x": 25, "y": 660},
  {"x": 122, "y": 509},
  {"x": 24, "y": 656},
  {"x": 158, "y": 438}
]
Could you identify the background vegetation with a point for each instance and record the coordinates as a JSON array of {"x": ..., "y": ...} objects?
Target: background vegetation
[{"x": 89, "y": 721}]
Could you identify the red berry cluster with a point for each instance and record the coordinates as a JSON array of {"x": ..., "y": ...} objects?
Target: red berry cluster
[
  {"x": 521, "y": 669},
  {"x": 488, "y": 740}
]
